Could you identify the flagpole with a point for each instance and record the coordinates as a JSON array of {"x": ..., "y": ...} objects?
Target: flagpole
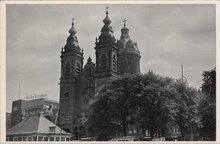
[{"x": 19, "y": 89}]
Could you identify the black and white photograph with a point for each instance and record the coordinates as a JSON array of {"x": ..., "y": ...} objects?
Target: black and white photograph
[{"x": 110, "y": 72}]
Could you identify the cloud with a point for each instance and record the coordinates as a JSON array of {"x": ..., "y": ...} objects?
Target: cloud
[{"x": 167, "y": 36}]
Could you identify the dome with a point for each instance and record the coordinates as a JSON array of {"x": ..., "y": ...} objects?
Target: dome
[
  {"x": 107, "y": 28},
  {"x": 128, "y": 45},
  {"x": 107, "y": 21},
  {"x": 72, "y": 30}
]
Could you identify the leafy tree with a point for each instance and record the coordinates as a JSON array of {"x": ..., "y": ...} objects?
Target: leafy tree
[
  {"x": 208, "y": 105},
  {"x": 209, "y": 84},
  {"x": 185, "y": 109},
  {"x": 101, "y": 121},
  {"x": 149, "y": 102},
  {"x": 153, "y": 105}
]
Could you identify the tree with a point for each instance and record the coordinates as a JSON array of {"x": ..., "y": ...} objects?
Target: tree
[
  {"x": 148, "y": 102},
  {"x": 116, "y": 105},
  {"x": 101, "y": 122},
  {"x": 153, "y": 108},
  {"x": 208, "y": 105},
  {"x": 185, "y": 109},
  {"x": 209, "y": 84}
]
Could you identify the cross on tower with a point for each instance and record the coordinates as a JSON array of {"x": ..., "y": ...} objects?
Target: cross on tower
[
  {"x": 124, "y": 22},
  {"x": 72, "y": 21},
  {"x": 107, "y": 10}
]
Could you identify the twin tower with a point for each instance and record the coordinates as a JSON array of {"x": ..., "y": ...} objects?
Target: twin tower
[{"x": 78, "y": 84}]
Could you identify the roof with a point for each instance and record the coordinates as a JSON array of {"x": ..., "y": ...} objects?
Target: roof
[
  {"x": 34, "y": 102},
  {"x": 128, "y": 45},
  {"x": 36, "y": 124},
  {"x": 38, "y": 102}
]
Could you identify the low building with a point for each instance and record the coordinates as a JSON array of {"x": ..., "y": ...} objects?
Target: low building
[
  {"x": 22, "y": 109},
  {"x": 37, "y": 128}
]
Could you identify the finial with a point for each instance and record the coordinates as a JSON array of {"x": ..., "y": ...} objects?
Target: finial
[
  {"x": 107, "y": 10},
  {"x": 96, "y": 40},
  {"x": 124, "y": 22},
  {"x": 82, "y": 50},
  {"x": 89, "y": 59},
  {"x": 62, "y": 49},
  {"x": 72, "y": 29},
  {"x": 72, "y": 21},
  {"x": 107, "y": 21}
]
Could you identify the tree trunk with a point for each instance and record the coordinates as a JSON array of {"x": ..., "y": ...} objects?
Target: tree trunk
[
  {"x": 182, "y": 133},
  {"x": 143, "y": 132},
  {"x": 124, "y": 129},
  {"x": 151, "y": 134}
]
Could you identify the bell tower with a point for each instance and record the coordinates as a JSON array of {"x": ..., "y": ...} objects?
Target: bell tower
[
  {"x": 129, "y": 54},
  {"x": 106, "y": 53},
  {"x": 71, "y": 67}
]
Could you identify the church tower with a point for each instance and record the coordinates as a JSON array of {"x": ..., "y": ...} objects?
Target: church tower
[
  {"x": 106, "y": 53},
  {"x": 129, "y": 54},
  {"x": 71, "y": 67}
]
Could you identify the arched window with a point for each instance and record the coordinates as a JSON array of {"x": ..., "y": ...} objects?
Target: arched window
[
  {"x": 67, "y": 69},
  {"x": 114, "y": 63},
  {"x": 103, "y": 61},
  {"x": 77, "y": 69},
  {"x": 89, "y": 72},
  {"x": 66, "y": 102},
  {"x": 129, "y": 60}
]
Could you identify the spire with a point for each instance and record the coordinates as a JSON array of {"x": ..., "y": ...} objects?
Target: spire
[
  {"x": 125, "y": 30},
  {"x": 106, "y": 20},
  {"x": 106, "y": 31},
  {"x": 72, "y": 41},
  {"x": 72, "y": 30}
]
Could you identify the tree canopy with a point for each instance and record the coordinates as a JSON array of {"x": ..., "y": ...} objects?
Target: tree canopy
[
  {"x": 145, "y": 101},
  {"x": 207, "y": 106}
]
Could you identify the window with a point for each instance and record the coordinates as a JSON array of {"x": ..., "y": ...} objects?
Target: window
[
  {"x": 89, "y": 72},
  {"x": 15, "y": 108},
  {"x": 114, "y": 63},
  {"x": 77, "y": 69},
  {"x": 40, "y": 138},
  {"x": 19, "y": 138},
  {"x": 29, "y": 138},
  {"x": 51, "y": 138},
  {"x": 34, "y": 138},
  {"x": 103, "y": 62},
  {"x": 67, "y": 139},
  {"x": 129, "y": 60},
  {"x": 62, "y": 138},
  {"x": 10, "y": 139},
  {"x": 24, "y": 138},
  {"x": 52, "y": 129},
  {"x": 57, "y": 138},
  {"x": 15, "y": 139},
  {"x": 66, "y": 102},
  {"x": 45, "y": 138},
  {"x": 67, "y": 69}
]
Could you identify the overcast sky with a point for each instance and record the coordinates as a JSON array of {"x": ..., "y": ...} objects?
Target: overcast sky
[{"x": 167, "y": 36}]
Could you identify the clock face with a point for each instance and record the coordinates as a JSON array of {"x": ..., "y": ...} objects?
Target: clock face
[{"x": 88, "y": 94}]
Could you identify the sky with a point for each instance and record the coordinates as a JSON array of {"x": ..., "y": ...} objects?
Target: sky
[{"x": 167, "y": 36}]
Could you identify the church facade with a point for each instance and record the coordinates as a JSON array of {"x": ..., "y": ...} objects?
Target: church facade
[{"x": 79, "y": 83}]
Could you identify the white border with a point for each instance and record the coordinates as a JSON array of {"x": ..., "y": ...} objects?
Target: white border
[{"x": 3, "y": 62}]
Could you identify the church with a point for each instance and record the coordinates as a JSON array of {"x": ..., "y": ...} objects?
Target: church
[{"x": 79, "y": 83}]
